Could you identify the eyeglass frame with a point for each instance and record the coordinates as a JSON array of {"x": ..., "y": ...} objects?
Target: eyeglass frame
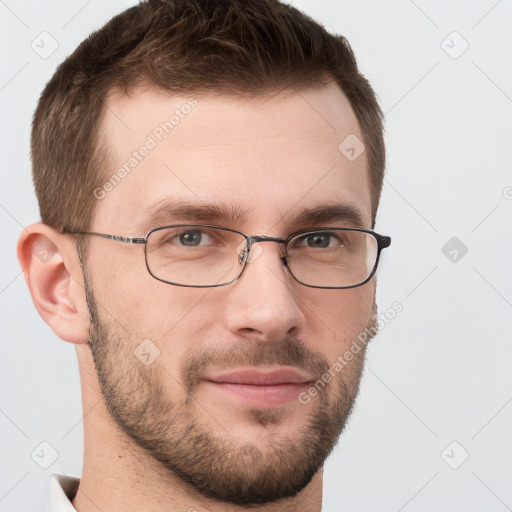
[{"x": 382, "y": 243}]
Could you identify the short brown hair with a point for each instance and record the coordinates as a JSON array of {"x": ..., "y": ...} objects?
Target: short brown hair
[{"x": 231, "y": 47}]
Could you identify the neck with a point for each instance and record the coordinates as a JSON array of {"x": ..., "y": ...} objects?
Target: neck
[{"x": 119, "y": 476}]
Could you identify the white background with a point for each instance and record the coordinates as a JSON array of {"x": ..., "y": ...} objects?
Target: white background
[{"x": 440, "y": 371}]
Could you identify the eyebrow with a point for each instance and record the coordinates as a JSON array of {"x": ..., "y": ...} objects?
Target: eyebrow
[
  {"x": 346, "y": 214},
  {"x": 177, "y": 210},
  {"x": 170, "y": 211}
]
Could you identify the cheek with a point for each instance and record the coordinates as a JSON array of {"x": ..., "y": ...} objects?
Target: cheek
[
  {"x": 338, "y": 317},
  {"x": 140, "y": 305}
]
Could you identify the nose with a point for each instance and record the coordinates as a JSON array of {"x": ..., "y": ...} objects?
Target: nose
[{"x": 264, "y": 303}]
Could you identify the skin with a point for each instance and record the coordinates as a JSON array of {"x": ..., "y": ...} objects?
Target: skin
[{"x": 267, "y": 155}]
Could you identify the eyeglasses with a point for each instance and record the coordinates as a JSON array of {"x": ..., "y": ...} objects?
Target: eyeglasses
[{"x": 203, "y": 256}]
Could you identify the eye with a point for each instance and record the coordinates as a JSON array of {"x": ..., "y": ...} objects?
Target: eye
[
  {"x": 191, "y": 238},
  {"x": 320, "y": 240}
]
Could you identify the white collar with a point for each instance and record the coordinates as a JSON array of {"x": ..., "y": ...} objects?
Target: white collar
[{"x": 63, "y": 490}]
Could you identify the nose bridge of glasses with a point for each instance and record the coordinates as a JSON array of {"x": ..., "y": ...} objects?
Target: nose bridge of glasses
[
  {"x": 251, "y": 240},
  {"x": 267, "y": 239}
]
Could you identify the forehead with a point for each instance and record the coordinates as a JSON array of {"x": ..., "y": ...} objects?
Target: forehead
[{"x": 265, "y": 156}]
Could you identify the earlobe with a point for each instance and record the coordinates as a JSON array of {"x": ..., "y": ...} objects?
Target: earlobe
[{"x": 53, "y": 275}]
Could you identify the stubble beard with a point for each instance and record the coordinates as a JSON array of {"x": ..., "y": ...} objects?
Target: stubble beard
[{"x": 196, "y": 447}]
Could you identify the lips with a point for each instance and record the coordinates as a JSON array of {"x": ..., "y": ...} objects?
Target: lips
[
  {"x": 262, "y": 377},
  {"x": 260, "y": 387}
]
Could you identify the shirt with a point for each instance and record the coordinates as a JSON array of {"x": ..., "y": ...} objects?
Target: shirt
[{"x": 63, "y": 489}]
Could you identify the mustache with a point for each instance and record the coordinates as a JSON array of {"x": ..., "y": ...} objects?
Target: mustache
[{"x": 288, "y": 351}]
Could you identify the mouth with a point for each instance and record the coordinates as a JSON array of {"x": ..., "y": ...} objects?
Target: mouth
[{"x": 262, "y": 387}]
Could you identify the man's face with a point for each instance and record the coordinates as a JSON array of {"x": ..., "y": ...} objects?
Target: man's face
[{"x": 251, "y": 441}]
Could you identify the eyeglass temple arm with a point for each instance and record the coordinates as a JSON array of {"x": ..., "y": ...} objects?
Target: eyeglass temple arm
[
  {"x": 116, "y": 238},
  {"x": 384, "y": 241}
]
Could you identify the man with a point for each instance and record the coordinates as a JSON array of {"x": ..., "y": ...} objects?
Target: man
[{"x": 208, "y": 175}]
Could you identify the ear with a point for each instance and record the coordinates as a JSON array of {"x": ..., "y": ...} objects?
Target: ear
[{"x": 54, "y": 277}]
